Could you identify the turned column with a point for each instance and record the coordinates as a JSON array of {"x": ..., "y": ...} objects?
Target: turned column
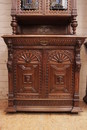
[
  {"x": 14, "y": 24},
  {"x": 13, "y": 14},
  {"x": 74, "y": 23}
]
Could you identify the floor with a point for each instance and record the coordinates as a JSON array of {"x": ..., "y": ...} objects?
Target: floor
[{"x": 41, "y": 121}]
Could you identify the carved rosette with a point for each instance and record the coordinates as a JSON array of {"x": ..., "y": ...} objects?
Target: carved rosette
[
  {"x": 10, "y": 56},
  {"x": 78, "y": 62}
]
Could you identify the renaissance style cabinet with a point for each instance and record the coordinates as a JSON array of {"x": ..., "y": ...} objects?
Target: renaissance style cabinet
[{"x": 43, "y": 56}]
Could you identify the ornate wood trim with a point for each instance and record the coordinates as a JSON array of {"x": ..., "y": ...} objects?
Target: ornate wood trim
[
  {"x": 77, "y": 71},
  {"x": 14, "y": 24},
  {"x": 43, "y": 40},
  {"x": 10, "y": 77},
  {"x": 58, "y": 12},
  {"x": 67, "y": 47},
  {"x": 30, "y": 12}
]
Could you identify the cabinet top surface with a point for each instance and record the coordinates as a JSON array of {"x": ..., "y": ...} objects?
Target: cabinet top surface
[{"x": 48, "y": 36}]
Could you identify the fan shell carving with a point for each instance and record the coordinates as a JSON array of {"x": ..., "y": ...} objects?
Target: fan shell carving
[
  {"x": 28, "y": 57},
  {"x": 60, "y": 56}
]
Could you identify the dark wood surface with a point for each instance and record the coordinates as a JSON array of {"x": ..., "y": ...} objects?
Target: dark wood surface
[
  {"x": 43, "y": 72},
  {"x": 43, "y": 59}
]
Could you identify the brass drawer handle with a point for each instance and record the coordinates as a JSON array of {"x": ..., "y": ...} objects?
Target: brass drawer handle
[{"x": 44, "y": 43}]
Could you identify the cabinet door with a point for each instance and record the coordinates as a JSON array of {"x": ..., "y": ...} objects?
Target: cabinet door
[
  {"x": 30, "y": 7},
  {"x": 58, "y": 7},
  {"x": 60, "y": 74},
  {"x": 27, "y": 73}
]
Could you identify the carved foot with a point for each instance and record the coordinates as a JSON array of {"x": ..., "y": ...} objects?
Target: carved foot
[
  {"x": 76, "y": 110},
  {"x": 85, "y": 99},
  {"x": 11, "y": 109}
]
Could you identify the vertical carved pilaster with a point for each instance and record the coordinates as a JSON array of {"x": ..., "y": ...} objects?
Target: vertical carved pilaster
[
  {"x": 14, "y": 24},
  {"x": 10, "y": 56},
  {"x": 77, "y": 71},
  {"x": 10, "y": 77}
]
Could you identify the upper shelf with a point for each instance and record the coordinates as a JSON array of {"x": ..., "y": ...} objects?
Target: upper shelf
[
  {"x": 44, "y": 12},
  {"x": 42, "y": 7}
]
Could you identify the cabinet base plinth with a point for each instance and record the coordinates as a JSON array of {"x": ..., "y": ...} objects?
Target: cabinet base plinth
[
  {"x": 11, "y": 109},
  {"x": 43, "y": 109},
  {"x": 76, "y": 110}
]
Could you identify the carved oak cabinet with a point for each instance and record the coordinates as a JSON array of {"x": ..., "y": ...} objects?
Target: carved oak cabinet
[{"x": 43, "y": 56}]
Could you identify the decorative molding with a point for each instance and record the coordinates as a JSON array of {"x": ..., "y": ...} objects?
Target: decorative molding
[
  {"x": 58, "y": 12},
  {"x": 50, "y": 41},
  {"x": 29, "y": 12},
  {"x": 44, "y": 103},
  {"x": 36, "y": 41}
]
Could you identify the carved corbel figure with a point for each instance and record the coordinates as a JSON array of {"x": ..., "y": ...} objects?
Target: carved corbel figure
[{"x": 10, "y": 56}]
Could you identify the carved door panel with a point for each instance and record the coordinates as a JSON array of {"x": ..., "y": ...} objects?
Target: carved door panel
[
  {"x": 28, "y": 73},
  {"x": 30, "y": 7},
  {"x": 60, "y": 74},
  {"x": 58, "y": 7}
]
